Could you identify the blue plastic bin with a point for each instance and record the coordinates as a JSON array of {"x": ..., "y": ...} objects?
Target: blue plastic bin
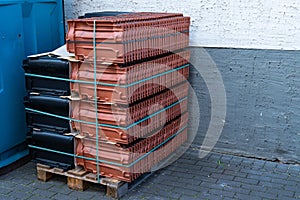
[{"x": 26, "y": 27}]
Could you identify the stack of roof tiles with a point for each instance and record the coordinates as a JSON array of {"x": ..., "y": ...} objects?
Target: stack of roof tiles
[
  {"x": 136, "y": 61},
  {"x": 44, "y": 95}
]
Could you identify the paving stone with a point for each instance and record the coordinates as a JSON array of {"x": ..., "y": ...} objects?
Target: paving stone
[
  {"x": 292, "y": 188},
  {"x": 24, "y": 188},
  {"x": 279, "y": 176},
  {"x": 192, "y": 187},
  {"x": 141, "y": 190},
  {"x": 212, "y": 169},
  {"x": 283, "y": 197},
  {"x": 37, "y": 197},
  {"x": 294, "y": 178},
  {"x": 205, "y": 178},
  {"x": 183, "y": 191},
  {"x": 40, "y": 185},
  {"x": 238, "y": 190},
  {"x": 235, "y": 173},
  {"x": 222, "y": 176},
  {"x": 24, "y": 181},
  {"x": 221, "y": 193},
  {"x": 185, "y": 197},
  {"x": 7, "y": 184},
  {"x": 294, "y": 169},
  {"x": 192, "y": 151},
  {"x": 281, "y": 168},
  {"x": 166, "y": 194},
  {"x": 182, "y": 175},
  {"x": 7, "y": 176},
  {"x": 47, "y": 193},
  {"x": 263, "y": 195},
  {"x": 155, "y": 197},
  {"x": 251, "y": 171},
  {"x": 222, "y": 166},
  {"x": 177, "y": 169},
  {"x": 82, "y": 195},
  {"x": 260, "y": 178},
  {"x": 291, "y": 181},
  {"x": 232, "y": 167},
  {"x": 164, "y": 187},
  {"x": 20, "y": 195},
  {"x": 237, "y": 160},
  {"x": 259, "y": 163},
  {"x": 192, "y": 184},
  {"x": 62, "y": 196},
  {"x": 226, "y": 198},
  {"x": 245, "y": 197},
  {"x": 62, "y": 189},
  {"x": 247, "y": 162},
  {"x": 187, "y": 155},
  {"x": 207, "y": 196},
  {"x": 165, "y": 172},
  {"x": 246, "y": 180},
  {"x": 226, "y": 158},
  {"x": 191, "y": 171},
  {"x": 6, "y": 191},
  {"x": 278, "y": 180},
  {"x": 281, "y": 192},
  {"x": 257, "y": 168},
  {"x": 159, "y": 179},
  {"x": 252, "y": 187},
  {"x": 132, "y": 197},
  {"x": 233, "y": 184},
  {"x": 185, "y": 166},
  {"x": 206, "y": 164},
  {"x": 179, "y": 183},
  {"x": 58, "y": 181},
  {"x": 270, "y": 166},
  {"x": 5, "y": 197},
  {"x": 97, "y": 197},
  {"x": 211, "y": 185},
  {"x": 271, "y": 185},
  {"x": 215, "y": 157},
  {"x": 187, "y": 161}
]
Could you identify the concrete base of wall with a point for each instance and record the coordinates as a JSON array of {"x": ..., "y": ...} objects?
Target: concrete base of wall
[{"x": 263, "y": 101}]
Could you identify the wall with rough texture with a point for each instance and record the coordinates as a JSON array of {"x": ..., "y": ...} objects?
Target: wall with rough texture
[
  {"x": 261, "y": 24},
  {"x": 263, "y": 101}
]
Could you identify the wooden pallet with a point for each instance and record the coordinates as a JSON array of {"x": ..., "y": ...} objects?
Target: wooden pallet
[{"x": 79, "y": 179}]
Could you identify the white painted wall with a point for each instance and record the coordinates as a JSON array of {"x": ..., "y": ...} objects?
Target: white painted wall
[{"x": 259, "y": 24}]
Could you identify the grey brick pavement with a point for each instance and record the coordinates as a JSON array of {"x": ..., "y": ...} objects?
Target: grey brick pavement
[{"x": 214, "y": 177}]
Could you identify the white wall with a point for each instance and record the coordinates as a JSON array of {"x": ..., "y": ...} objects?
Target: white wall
[{"x": 259, "y": 24}]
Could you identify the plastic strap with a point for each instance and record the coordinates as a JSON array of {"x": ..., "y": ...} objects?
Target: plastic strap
[
  {"x": 108, "y": 84},
  {"x": 108, "y": 125},
  {"x": 95, "y": 101},
  {"x": 108, "y": 162}
]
